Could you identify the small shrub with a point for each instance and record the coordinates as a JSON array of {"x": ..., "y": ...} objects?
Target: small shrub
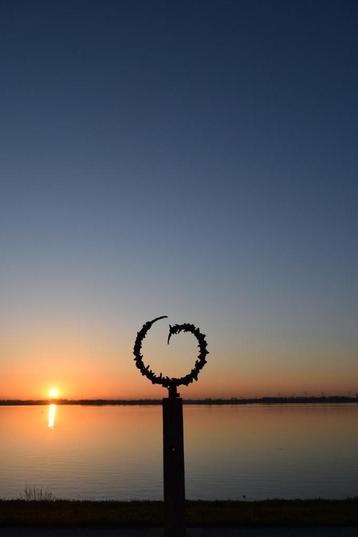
[{"x": 38, "y": 494}]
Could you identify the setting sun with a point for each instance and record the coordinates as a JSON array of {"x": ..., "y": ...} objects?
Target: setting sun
[{"x": 53, "y": 392}]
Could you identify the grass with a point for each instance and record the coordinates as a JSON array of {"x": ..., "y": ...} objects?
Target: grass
[
  {"x": 62, "y": 513},
  {"x": 36, "y": 494}
]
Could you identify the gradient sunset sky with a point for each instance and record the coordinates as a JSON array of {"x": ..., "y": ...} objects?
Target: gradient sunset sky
[{"x": 191, "y": 158}]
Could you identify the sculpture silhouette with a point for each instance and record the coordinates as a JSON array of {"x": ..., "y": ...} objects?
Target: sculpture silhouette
[
  {"x": 171, "y": 382},
  {"x": 173, "y": 438}
]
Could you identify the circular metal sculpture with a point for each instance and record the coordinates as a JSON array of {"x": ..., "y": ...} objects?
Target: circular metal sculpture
[
  {"x": 171, "y": 382},
  {"x": 173, "y": 439}
]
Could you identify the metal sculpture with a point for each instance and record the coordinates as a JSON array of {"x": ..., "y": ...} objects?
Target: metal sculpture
[{"x": 173, "y": 440}]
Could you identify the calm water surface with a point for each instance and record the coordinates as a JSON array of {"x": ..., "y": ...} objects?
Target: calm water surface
[{"x": 256, "y": 451}]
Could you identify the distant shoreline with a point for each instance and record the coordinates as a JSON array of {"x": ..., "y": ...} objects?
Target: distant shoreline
[{"x": 232, "y": 401}]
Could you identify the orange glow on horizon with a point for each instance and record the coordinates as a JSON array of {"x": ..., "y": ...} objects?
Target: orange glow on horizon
[{"x": 96, "y": 366}]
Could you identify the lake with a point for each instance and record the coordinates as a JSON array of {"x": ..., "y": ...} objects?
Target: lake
[{"x": 231, "y": 452}]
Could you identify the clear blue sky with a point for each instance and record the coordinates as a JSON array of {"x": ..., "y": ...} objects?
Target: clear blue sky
[{"x": 190, "y": 158}]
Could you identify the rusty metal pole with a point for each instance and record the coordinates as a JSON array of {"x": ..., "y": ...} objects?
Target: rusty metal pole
[{"x": 173, "y": 461}]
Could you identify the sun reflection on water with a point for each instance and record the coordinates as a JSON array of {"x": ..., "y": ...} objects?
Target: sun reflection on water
[{"x": 51, "y": 415}]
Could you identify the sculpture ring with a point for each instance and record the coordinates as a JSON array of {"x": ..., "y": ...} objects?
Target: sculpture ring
[{"x": 171, "y": 382}]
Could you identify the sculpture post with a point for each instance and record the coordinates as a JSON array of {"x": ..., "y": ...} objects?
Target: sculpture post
[
  {"x": 173, "y": 465},
  {"x": 173, "y": 438}
]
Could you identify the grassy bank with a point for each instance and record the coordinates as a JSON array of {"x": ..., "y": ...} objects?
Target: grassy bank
[{"x": 199, "y": 513}]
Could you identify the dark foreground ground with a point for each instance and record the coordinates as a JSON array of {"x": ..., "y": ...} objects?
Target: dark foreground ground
[
  {"x": 191, "y": 532},
  {"x": 199, "y": 514}
]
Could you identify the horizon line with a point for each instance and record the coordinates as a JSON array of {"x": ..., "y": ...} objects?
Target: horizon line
[{"x": 205, "y": 400}]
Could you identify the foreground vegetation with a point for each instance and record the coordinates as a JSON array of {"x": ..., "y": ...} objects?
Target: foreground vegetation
[{"x": 199, "y": 513}]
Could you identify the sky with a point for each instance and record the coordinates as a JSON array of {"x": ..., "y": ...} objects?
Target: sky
[{"x": 196, "y": 159}]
